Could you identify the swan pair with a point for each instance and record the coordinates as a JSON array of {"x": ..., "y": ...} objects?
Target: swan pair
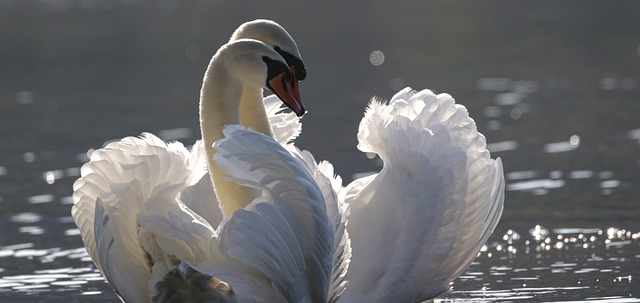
[{"x": 245, "y": 216}]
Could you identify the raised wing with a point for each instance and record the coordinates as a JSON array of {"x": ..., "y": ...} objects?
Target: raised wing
[
  {"x": 421, "y": 221},
  {"x": 338, "y": 212},
  {"x": 285, "y": 234},
  {"x": 124, "y": 185}
]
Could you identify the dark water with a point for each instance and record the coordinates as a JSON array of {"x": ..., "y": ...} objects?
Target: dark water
[{"x": 554, "y": 86}]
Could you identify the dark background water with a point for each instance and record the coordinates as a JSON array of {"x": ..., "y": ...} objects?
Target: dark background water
[{"x": 553, "y": 85}]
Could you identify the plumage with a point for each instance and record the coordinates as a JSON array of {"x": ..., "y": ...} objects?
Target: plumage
[
  {"x": 245, "y": 216},
  {"x": 289, "y": 220},
  {"x": 417, "y": 224}
]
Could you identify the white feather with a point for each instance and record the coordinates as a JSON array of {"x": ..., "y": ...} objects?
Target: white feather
[
  {"x": 420, "y": 222},
  {"x": 292, "y": 207}
]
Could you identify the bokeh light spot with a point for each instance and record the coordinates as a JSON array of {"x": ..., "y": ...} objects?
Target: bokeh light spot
[{"x": 376, "y": 58}]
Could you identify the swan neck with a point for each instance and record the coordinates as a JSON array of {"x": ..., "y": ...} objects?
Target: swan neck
[
  {"x": 220, "y": 105},
  {"x": 252, "y": 112},
  {"x": 217, "y": 106}
]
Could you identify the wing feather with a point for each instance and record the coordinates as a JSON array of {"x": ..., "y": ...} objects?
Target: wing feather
[
  {"x": 330, "y": 185},
  {"x": 286, "y": 233},
  {"x": 126, "y": 202},
  {"x": 420, "y": 222},
  {"x": 286, "y": 126}
]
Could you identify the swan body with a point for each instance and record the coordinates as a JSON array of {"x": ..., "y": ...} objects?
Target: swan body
[{"x": 245, "y": 216}]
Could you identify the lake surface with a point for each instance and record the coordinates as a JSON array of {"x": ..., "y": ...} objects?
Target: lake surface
[{"x": 554, "y": 87}]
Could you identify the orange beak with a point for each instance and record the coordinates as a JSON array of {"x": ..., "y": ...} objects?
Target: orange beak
[{"x": 287, "y": 92}]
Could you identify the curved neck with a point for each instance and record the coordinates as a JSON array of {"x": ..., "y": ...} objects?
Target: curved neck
[
  {"x": 224, "y": 101},
  {"x": 252, "y": 112}
]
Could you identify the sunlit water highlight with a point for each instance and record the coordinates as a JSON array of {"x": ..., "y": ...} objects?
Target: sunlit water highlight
[{"x": 536, "y": 263}]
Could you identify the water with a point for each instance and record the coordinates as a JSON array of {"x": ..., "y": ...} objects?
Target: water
[{"x": 554, "y": 88}]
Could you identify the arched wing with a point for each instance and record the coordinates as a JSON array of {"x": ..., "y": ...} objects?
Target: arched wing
[
  {"x": 285, "y": 234},
  {"x": 338, "y": 211},
  {"x": 125, "y": 186},
  {"x": 421, "y": 221}
]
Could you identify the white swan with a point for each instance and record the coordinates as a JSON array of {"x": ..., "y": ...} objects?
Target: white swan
[
  {"x": 415, "y": 226},
  {"x": 129, "y": 203}
]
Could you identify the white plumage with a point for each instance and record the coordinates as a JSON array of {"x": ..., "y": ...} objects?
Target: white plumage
[
  {"x": 150, "y": 219},
  {"x": 419, "y": 223}
]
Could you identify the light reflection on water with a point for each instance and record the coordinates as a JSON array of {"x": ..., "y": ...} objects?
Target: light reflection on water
[
  {"x": 549, "y": 264},
  {"x": 537, "y": 263}
]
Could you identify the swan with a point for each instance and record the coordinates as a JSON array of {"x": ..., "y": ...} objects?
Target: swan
[
  {"x": 282, "y": 235},
  {"x": 131, "y": 202}
]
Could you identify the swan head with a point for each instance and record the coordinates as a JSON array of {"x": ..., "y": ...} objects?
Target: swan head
[
  {"x": 274, "y": 35},
  {"x": 255, "y": 64}
]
